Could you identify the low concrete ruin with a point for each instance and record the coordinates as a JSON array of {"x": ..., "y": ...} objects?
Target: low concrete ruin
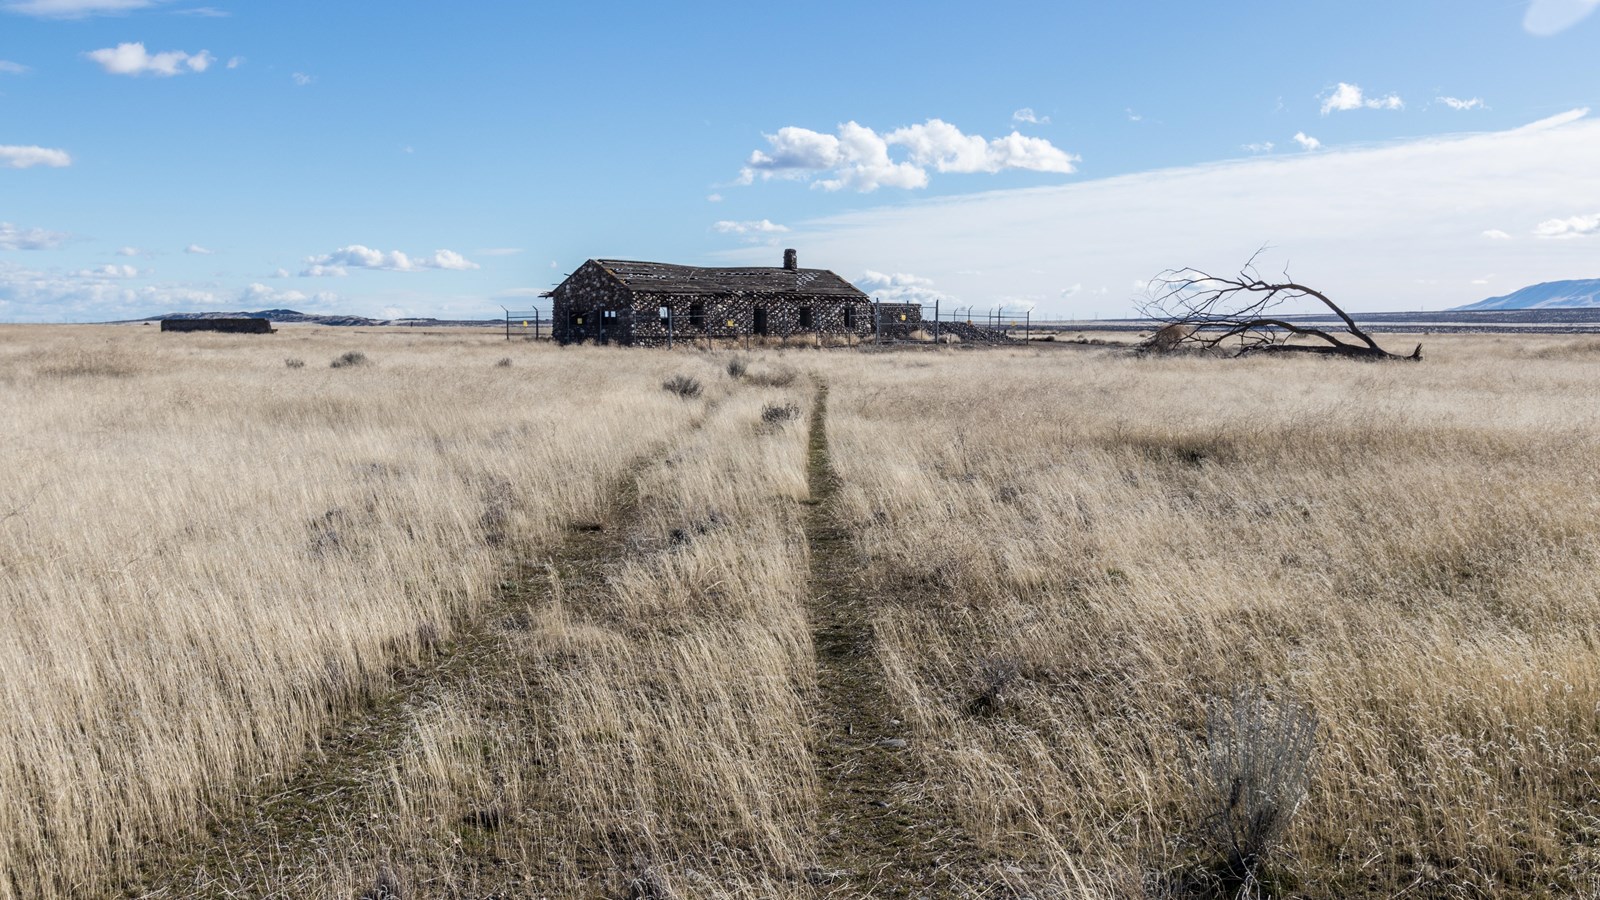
[{"x": 228, "y": 326}]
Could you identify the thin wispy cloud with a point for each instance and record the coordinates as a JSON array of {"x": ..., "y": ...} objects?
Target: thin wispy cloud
[
  {"x": 75, "y": 9},
  {"x": 760, "y": 226},
  {"x": 1316, "y": 207},
  {"x": 1459, "y": 104},
  {"x": 13, "y": 237},
  {"x": 1346, "y": 97},
  {"x": 1495, "y": 234},
  {"x": 110, "y": 270},
  {"x": 7, "y": 67},
  {"x": 25, "y": 157},
  {"x": 266, "y": 297},
  {"x": 356, "y": 256},
  {"x": 197, "y": 250},
  {"x": 301, "y": 79},
  {"x": 1262, "y": 147},
  {"x": 30, "y": 294},
  {"x": 858, "y": 158},
  {"x": 1028, "y": 116},
  {"x": 1551, "y": 17},
  {"x": 134, "y": 59}
]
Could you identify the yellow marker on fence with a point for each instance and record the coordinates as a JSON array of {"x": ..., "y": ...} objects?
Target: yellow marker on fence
[{"x": 524, "y": 323}]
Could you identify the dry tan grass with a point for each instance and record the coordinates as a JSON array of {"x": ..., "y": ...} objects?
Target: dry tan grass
[
  {"x": 208, "y": 555},
  {"x": 1076, "y": 560},
  {"x": 1090, "y": 552}
]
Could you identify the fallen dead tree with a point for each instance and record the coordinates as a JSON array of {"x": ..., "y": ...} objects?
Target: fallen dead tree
[{"x": 1198, "y": 310}]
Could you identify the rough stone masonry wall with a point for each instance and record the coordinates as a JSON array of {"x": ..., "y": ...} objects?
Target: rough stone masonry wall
[
  {"x": 578, "y": 310},
  {"x": 783, "y": 316}
]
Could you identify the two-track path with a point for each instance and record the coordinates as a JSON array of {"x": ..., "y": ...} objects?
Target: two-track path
[{"x": 882, "y": 833}]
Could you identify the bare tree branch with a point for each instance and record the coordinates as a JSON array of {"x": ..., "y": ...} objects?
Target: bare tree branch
[{"x": 1198, "y": 309}]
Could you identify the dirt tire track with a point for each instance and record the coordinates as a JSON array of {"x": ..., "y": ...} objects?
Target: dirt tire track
[
  {"x": 883, "y": 833},
  {"x": 290, "y": 822}
]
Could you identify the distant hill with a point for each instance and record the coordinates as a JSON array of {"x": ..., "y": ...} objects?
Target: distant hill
[
  {"x": 272, "y": 315},
  {"x": 1550, "y": 295},
  {"x": 290, "y": 316}
]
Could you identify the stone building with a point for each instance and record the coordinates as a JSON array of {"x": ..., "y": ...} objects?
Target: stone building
[{"x": 625, "y": 302}]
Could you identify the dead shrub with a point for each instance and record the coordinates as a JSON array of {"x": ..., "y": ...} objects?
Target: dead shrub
[
  {"x": 294, "y": 363},
  {"x": 349, "y": 358},
  {"x": 737, "y": 367},
  {"x": 504, "y": 363},
  {"x": 775, "y": 414},
  {"x": 997, "y": 683},
  {"x": 684, "y": 386},
  {"x": 649, "y": 881},
  {"x": 1251, "y": 779},
  {"x": 1168, "y": 338}
]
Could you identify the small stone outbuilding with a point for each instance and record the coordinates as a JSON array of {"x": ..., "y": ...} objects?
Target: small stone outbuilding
[{"x": 627, "y": 302}]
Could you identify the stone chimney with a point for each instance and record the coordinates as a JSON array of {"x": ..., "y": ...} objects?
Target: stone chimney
[{"x": 791, "y": 260}]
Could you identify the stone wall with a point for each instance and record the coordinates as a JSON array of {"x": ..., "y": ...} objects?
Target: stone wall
[
  {"x": 578, "y": 310},
  {"x": 732, "y": 316}
]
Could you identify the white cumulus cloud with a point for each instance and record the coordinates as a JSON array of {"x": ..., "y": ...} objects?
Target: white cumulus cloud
[
  {"x": 858, "y": 158},
  {"x": 1571, "y": 227},
  {"x": 134, "y": 59},
  {"x": 1306, "y": 141},
  {"x": 17, "y": 157},
  {"x": 15, "y": 238},
  {"x": 1027, "y": 115},
  {"x": 1346, "y": 97},
  {"x": 1548, "y": 17},
  {"x": 356, "y": 256},
  {"x": 943, "y": 147},
  {"x": 1457, "y": 103},
  {"x": 900, "y": 287}
]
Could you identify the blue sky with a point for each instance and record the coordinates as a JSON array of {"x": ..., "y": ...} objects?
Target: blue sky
[{"x": 443, "y": 159}]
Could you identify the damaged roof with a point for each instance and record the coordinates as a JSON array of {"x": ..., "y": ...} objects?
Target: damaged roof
[{"x": 665, "y": 278}]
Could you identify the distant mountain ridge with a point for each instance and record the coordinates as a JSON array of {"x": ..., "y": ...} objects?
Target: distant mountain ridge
[
  {"x": 1575, "y": 294},
  {"x": 290, "y": 316}
]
